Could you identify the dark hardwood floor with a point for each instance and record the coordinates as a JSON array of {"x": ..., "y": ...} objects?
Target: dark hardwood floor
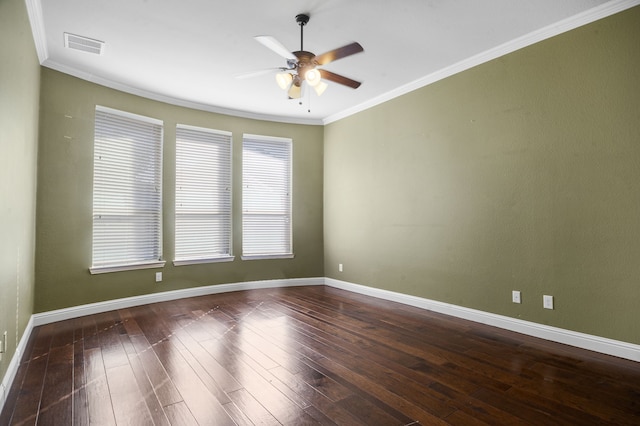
[{"x": 308, "y": 355}]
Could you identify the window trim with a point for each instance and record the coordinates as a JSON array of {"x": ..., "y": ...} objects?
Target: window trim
[
  {"x": 132, "y": 267},
  {"x": 289, "y": 255},
  {"x": 148, "y": 264},
  {"x": 201, "y": 260},
  {"x": 267, "y": 256},
  {"x": 220, "y": 259}
]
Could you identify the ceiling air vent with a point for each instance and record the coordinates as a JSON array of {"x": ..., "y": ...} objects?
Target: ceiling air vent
[{"x": 85, "y": 44}]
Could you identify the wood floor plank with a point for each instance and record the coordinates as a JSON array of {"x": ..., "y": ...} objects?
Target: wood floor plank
[
  {"x": 28, "y": 403},
  {"x": 322, "y": 407},
  {"x": 80, "y": 403},
  {"x": 247, "y": 373},
  {"x": 255, "y": 411},
  {"x": 394, "y": 358},
  {"x": 202, "y": 404},
  {"x": 219, "y": 379},
  {"x": 145, "y": 386},
  {"x": 129, "y": 404},
  {"x": 363, "y": 368},
  {"x": 308, "y": 355},
  {"x": 56, "y": 406},
  {"x": 401, "y": 409},
  {"x": 161, "y": 383},
  {"x": 12, "y": 398},
  {"x": 201, "y": 369},
  {"x": 238, "y": 416},
  {"x": 323, "y": 384},
  {"x": 277, "y": 385},
  {"x": 370, "y": 413},
  {"x": 463, "y": 418},
  {"x": 467, "y": 406},
  {"x": 263, "y": 341},
  {"x": 98, "y": 396},
  {"x": 179, "y": 414}
]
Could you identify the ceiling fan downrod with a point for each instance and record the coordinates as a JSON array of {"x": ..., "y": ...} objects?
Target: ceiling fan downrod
[{"x": 302, "y": 20}]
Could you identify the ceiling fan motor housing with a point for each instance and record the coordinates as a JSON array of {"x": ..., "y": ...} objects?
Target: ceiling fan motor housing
[{"x": 305, "y": 62}]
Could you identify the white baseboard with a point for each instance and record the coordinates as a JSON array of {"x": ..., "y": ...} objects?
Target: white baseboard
[
  {"x": 573, "y": 338},
  {"x": 12, "y": 370},
  {"x": 110, "y": 305}
]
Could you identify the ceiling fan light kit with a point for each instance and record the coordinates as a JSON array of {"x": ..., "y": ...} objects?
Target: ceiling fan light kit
[
  {"x": 302, "y": 66},
  {"x": 313, "y": 77},
  {"x": 320, "y": 88},
  {"x": 284, "y": 80}
]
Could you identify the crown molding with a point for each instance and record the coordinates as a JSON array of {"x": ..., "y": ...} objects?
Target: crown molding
[
  {"x": 171, "y": 100},
  {"x": 573, "y": 22},
  {"x": 34, "y": 11}
]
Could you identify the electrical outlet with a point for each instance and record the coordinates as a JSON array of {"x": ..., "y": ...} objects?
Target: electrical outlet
[
  {"x": 547, "y": 302},
  {"x": 158, "y": 277},
  {"x": 515, "y": 296},
  {"x": 339, "y": 267},
  {"x": 3, "y": 344}
]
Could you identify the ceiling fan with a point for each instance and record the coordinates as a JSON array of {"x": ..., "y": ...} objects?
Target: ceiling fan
[{"x": 303, "y": 66}]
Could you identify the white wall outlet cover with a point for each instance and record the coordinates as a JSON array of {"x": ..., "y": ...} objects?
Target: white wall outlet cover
[
  {"x": 547, "y": 302},
  {"x": 158, "y": 277},
  {"x": 515, "y": 296},
  {"x": 339, "y": 267}
]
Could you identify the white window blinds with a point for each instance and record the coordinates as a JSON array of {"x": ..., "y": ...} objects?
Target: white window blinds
[
  {"x": 266, "y": 197},
  {"x": 127, "y": 191},
  {"x": 203, "y": 195}
]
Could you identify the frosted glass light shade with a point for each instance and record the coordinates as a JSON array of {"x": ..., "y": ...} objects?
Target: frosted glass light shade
[
  {"x": 313, "y": 77},
  {"x": 284, "y": 80},
  {"x": 295, "y": 92},
  {"x": 320, "y": 88}
]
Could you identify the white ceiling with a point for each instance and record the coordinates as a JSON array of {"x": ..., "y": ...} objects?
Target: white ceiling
[{"x": 189, "y": 52}]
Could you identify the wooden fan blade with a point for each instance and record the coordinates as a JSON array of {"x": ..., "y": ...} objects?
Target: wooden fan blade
[
  {"x": 341, "y": 52},
  {"x": 276, "y": 46},
  {"x": 340, "y": 79}
]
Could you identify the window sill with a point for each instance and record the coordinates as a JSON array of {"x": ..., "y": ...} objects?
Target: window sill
[
  {"x": 199, "y": 261},
  {"x": 267, "y": 256},
  {"x": 106, "y": 269}
]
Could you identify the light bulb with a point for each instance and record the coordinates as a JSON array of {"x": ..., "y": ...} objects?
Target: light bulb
[
  {"x": 313, "y": 77},
  {"x": 284, "y": 80}
]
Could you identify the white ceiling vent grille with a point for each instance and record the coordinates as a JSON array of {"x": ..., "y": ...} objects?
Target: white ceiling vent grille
[{"x": 85, "y": 44}]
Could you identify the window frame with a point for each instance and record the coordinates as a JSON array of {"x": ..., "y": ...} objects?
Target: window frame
[
  {"x": 157, "y": 136},
  {"x": 288, "y": 214},
  {"x": 201, "y": 133}
]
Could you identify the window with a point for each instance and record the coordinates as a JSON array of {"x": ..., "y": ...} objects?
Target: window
[
  {"x": 203, "y": 195},
  {"x": 266, "y": 197},
  {"x": 127, "y": 192}
]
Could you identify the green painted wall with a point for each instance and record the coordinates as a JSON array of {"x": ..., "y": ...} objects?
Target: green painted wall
[
  {"x": 522, "y": 173},
  {"x": 519, "y": 174},
  {"x": 19, "y": 91},
  {"x": 65, "y": 171}
]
